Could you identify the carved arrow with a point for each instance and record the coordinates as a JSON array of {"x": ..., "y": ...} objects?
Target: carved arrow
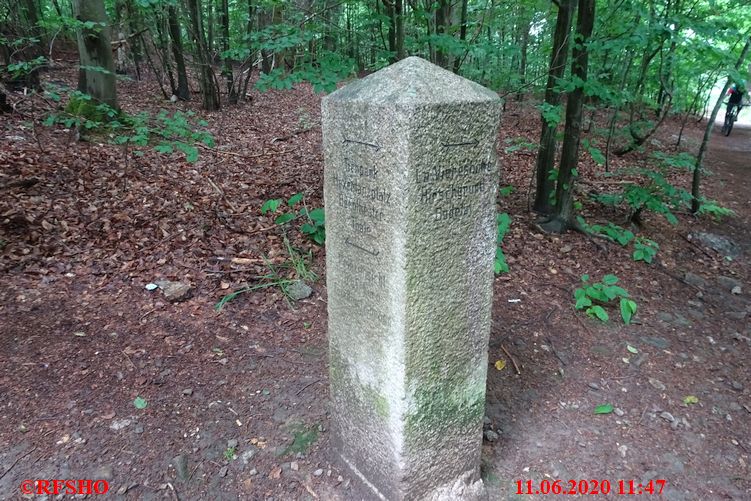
[
  {"x": 367, "y": 251},
  {"x": 474, "y": 142},
  {"x": 377, "y": 147}
]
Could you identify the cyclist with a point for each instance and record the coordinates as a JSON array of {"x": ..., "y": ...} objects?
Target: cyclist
[{"x": 736, "y": 93}]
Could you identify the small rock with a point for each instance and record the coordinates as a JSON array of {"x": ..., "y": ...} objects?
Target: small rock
[
  {"x": 188, "y": 391},
  {"x": 294, "y": 466},
  {"x": 486, "y": 421},
  {"x": 232, "y": 443},
  {"x": 138, "y": 429},
  {"x": 566, "y": 249},
  {"x": 622, "y": 449},
  {"x": 694, "y": 279},
  {"x": 223, "y": 471},
  {"x": 697, "y": 314},
  {"x": 736, "y": 290},
  {"x": 318, "y": 472},
  {"x": 656, "y": 383},
  {"x": 728, "y": 283},
  {"x": 248, "y": 455},
  {"x": 719, "y": 243},
  {"x": 298, "y": 290},
  {"x": 665, "y": 317},
  {"x": 181, "y": 467},
  {"x": 658, "y": 342},
  {"x": 254, "y": 472},
  {"x": 737, "y": 386},
  {"x": 175, "y": 291},
  {"x": 619, "y": 412},
  {"x": 119, "y": 424},
  {"x": 491, "y": 436},
  {"x": 735, "y": 406},
  {"x": 594, "y": 386},
  {"x": 667, "y": 416},
  {"x": 104, "y": 472}
]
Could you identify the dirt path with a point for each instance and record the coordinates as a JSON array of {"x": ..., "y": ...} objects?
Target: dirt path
[
  {"x": 237, "y": 400},
  {"x": 693, "y": 340}
]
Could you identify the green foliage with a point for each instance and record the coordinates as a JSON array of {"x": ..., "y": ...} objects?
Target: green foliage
[
  {"x": 553, "y": 115},
  {"x": 314, "y": 225},
  {"x": 22, "y": 69},
  {"x": 645, "y": 250},
  {"x": 614, "y": 233},
  {"x": 712, "y": 208},
  {"x": 657, "y": 195},
  {"x": 503, "y": 222},
  {"x": 594, "y": 297},
  {"x": 520, "y": 143},
  {"x": 303, "y": 438},
  {"x": 229, "y": 453},
  {"x": 166, "y": 132}
]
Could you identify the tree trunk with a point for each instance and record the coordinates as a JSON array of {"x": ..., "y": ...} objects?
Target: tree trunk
[
  {"x": 462, "y": 34},
  {"x": 399, "y": 29},
  {"x": 442, "y": 27},
  {"x": 563, "y": 217},
  {"x": 696, "y": 180},
  {"x": 96, "y": 76},
  {"x": 209, "y": 93},
  {"x": 182, "y": 91},
  {"x": 227, "y": 61},
  {"x": 546, "y": 153}
]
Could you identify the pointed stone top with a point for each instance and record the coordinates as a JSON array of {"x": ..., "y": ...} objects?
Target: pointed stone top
[{"x": 413, "y": 82}]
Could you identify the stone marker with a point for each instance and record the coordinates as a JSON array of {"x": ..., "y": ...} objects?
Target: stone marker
[{"x": 410, "y": 186}]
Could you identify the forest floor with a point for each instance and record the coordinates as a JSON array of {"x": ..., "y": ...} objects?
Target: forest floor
[{"x": 236, "y": 400}]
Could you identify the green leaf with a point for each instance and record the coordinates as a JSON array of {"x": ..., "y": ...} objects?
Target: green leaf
[
  {"x": 318, "y": 216},
  {"x": 610, "y": 280},
  {"x": 271, "y": 205},
  {"x": 585, "y": 278},
  {"x": 690, "y": 399},
  {"x": 164, "y": 148},
  {"x": 191, "y": 152},
  {"x": 628, "y": 308},
  {"x": 604, "y": 409},
  {"x": 308, "y": 229},
  {"x": 284, "y": 218},
  {"x": 140, "y": 403},
  {"x": 582, "y": 303},
  {"x": 631, "y": 349},
  {"x": 294, "y": 199},
  {"x": 599, "y": 312}
]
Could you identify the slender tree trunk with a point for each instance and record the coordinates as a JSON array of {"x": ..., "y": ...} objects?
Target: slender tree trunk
[
  {"x": 227, "y": 61},
  {"x": 563, "y": 217},
  {"x": 96, "y": 76},
  {"x": 442, "y": 27},
  {"x": 248, "y": 32},
  {"x": 399, "y": 29},
  {"x": 182, "y": 91},
  {"x": 462, "y": 34},
  {"x": 696, "y": 180},
  {"x": 209, "y": 93},
  {"x": 546, "y": 153}
]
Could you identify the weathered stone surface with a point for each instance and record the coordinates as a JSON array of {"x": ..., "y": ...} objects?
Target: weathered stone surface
[{"x": 410, "y": 186}]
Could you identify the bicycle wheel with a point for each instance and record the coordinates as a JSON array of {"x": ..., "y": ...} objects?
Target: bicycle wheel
[
  {"x": 730, "y": 126},
  {"x": 727, "y": 125}
]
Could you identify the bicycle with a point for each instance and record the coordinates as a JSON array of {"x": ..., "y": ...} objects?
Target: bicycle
[{"x": 731, "y": 115}]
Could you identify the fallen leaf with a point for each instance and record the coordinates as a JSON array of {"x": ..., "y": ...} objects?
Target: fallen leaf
[
  {"x": 690, "y": 399},
  {"x": 631, "y": 349},
  {"x": 500, "y": 364},
  {"x": 604, "y": 409},
  {"x": 140, "y": 403},
  {"x": 276, "y": 472}
]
